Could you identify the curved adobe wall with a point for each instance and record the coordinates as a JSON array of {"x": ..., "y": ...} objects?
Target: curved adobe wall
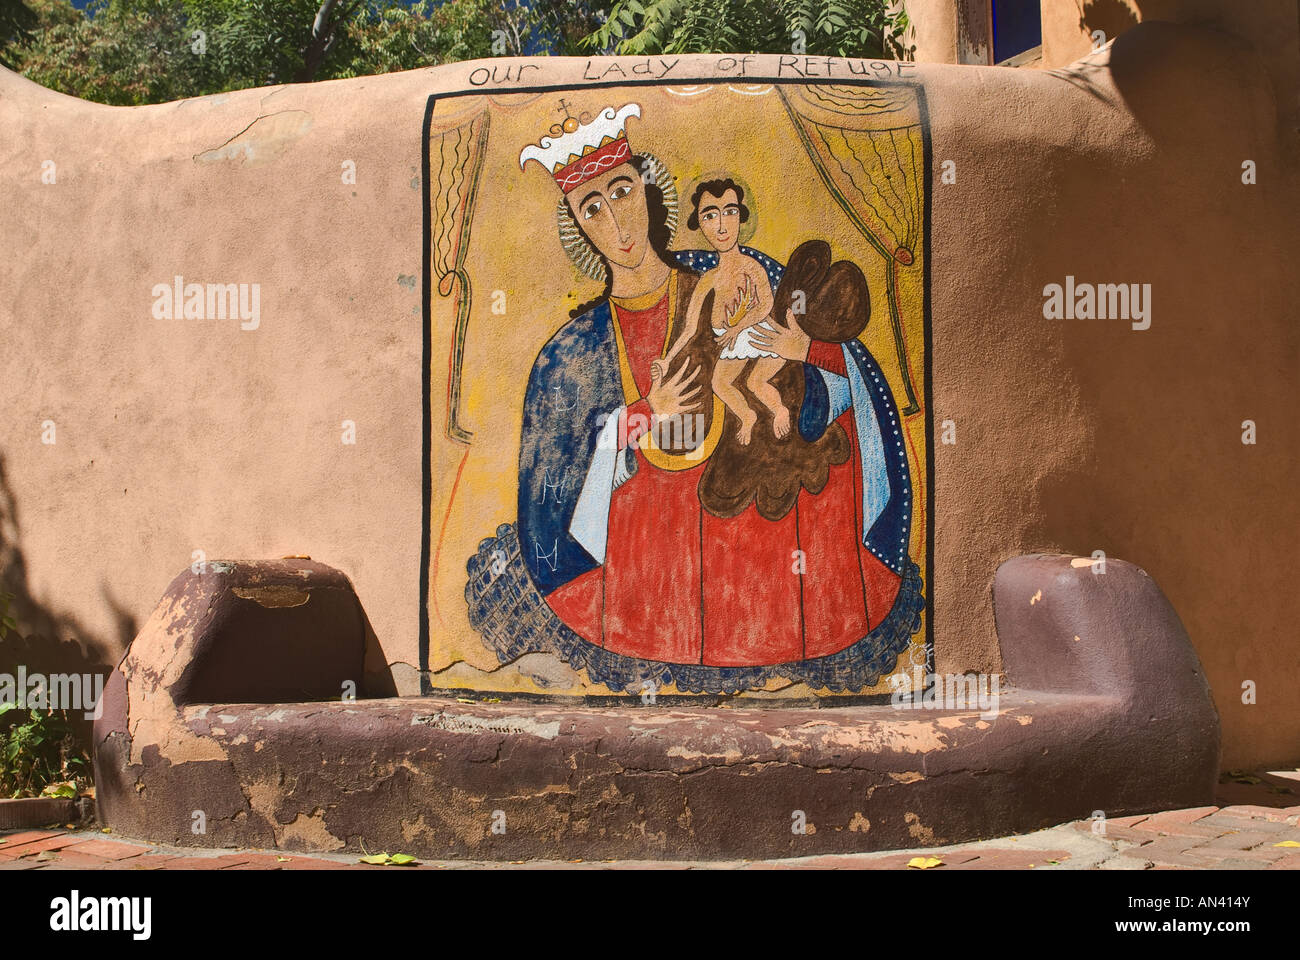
[{"x": 1084, "y": 435}]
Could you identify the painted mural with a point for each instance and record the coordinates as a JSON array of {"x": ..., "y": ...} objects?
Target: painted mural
[{"x": 676, "y": 359}]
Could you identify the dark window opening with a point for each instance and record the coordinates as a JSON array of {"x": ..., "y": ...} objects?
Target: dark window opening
[{"x": 1017, "y": 27}]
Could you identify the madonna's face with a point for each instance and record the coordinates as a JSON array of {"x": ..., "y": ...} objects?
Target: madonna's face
[{"x": 611, "y": 209}]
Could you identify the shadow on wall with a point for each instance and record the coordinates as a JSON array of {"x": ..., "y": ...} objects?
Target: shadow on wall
[
  {"x": 1088, "y": 76},
  {"x": 1194, "y": 461},
  {"x": 1111, "y": 17},
  {"x": 47, "y": 641}
]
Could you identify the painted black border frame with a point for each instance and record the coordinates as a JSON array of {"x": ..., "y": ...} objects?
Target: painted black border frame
[{"x": 426, "y": 488}]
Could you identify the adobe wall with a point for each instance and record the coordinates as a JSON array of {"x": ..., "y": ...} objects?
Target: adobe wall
[{"x": 1071, "y": 435}]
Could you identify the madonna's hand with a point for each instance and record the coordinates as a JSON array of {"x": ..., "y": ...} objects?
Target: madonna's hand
[
  {"x": 674, "y": 396},
  {"x": 787, "y": 340}
]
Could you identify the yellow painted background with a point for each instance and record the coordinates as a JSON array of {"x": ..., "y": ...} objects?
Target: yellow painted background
[{"x": 514, "y": 247}]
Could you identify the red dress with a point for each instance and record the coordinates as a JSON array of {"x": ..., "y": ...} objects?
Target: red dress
[{"x": 680, "y": 585}]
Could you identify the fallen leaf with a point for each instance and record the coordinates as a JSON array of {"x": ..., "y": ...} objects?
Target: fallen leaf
[
  {"x": 464, "y": 700},
  {"x": 925, "y": 863},
  {"x": 1287, "y": 843},
  {"x": 390, "y": 860},
  {"x": 283, "y": 859},
  {"x": 107, "y": 830}
]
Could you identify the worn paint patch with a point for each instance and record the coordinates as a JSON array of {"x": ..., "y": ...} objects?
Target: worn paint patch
[
  {"x": 917, "y": 829},
  {"x": 310, "y": 833},
  {"x": 262, "y": 141},
  {"x": 727, "y": 756},
  {"x": 859, "y": 823},
  {"x": 515, "y": 724},
  {"x": 263, "y": 796},
  {"x": 531, "y": 673},
  {"x": 273, "y": 596},
  {"x": 915, "y": 736},
  {"x": 417, "y": 831},
  {"x": 174, "y": 741}
]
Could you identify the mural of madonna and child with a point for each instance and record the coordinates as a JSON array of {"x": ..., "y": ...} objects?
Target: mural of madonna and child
[{"x": 714, "y": 490}]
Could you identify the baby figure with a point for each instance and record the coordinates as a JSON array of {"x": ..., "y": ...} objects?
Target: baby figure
[{"x": 718, "y": 211}]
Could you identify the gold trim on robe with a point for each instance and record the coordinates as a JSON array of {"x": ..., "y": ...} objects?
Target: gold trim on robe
[{"x": 631, "y": 394}]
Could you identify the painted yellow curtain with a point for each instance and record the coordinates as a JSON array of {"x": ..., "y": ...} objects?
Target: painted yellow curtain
[
  {"x": 455, "y": 166},
  {"x": 868, "y": 148}
]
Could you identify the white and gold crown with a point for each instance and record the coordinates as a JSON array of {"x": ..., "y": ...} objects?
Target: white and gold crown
[{"x": 575, "y": 151}]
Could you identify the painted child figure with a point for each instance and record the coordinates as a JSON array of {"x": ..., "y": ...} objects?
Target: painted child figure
[{"x": 718, "y": 210}]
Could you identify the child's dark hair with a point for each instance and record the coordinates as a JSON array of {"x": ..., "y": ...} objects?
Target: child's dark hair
[{"x": 716, "y": 188}]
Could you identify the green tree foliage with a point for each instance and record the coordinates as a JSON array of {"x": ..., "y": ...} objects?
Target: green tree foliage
[
  {"x": 123, "y": 54},
  {"x": 149, "y": 51},
  {"x": 841, "y": 28},
  {"x": 16, "y": 22}
]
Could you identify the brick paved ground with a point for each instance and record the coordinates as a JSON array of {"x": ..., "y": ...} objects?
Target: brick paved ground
[{"x": 1243, "y": 836}]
